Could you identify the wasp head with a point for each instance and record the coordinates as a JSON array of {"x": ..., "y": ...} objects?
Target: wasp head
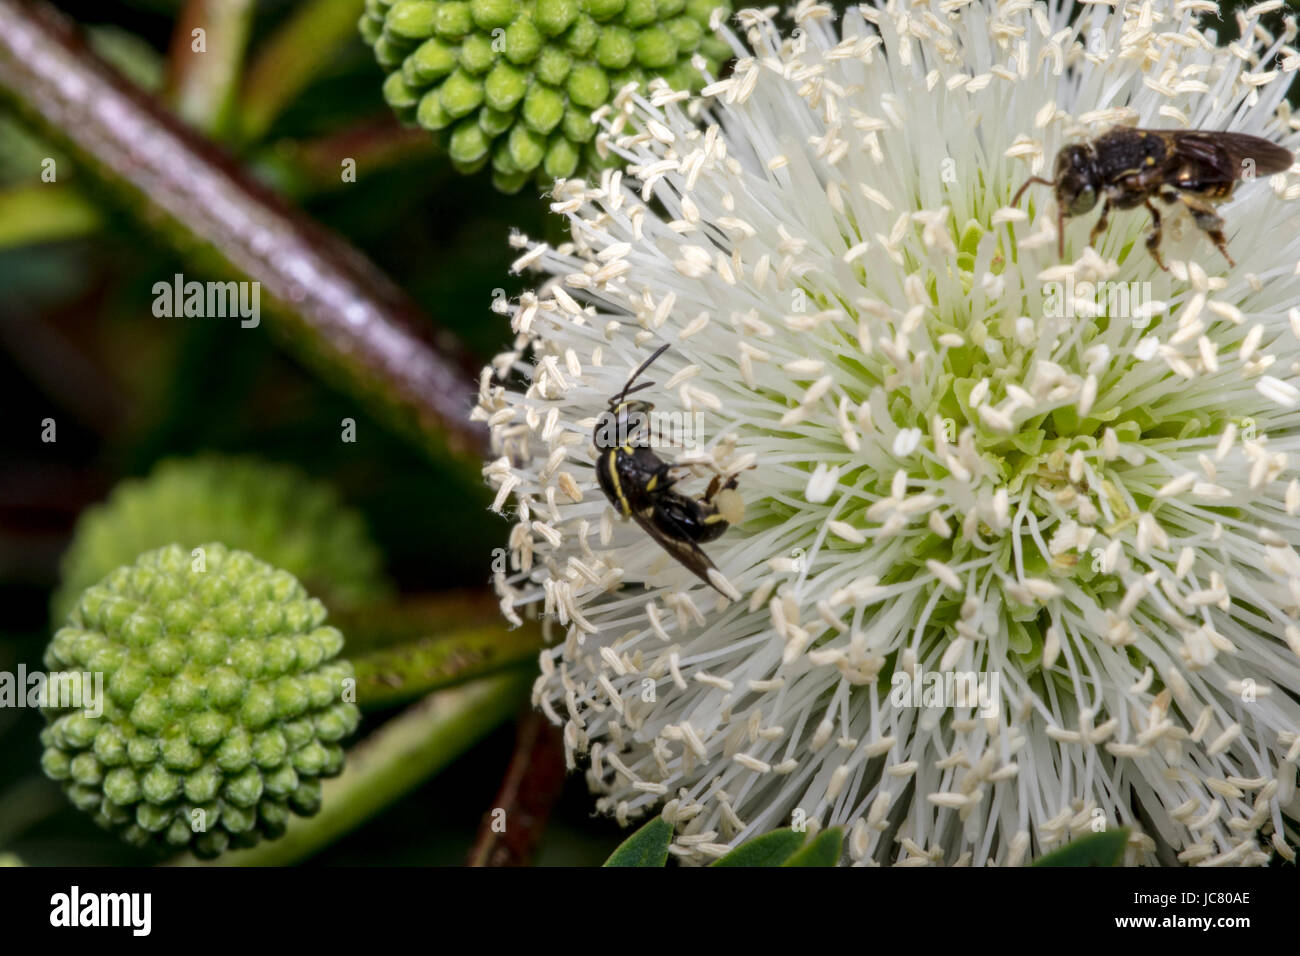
[
  {"x": 621, "y": 423},
  {"x": 1075, "y": 180}
]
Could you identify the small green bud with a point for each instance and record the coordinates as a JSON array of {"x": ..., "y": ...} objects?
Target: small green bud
[
  {"x": 453, "y": 20},
  {"x": 504, "y": 87},
  {"x": 543, "y": 108},
  {"x": 639, "y": 13},
  {"x": 582, "y": 36},
  {"x": 411, "y": 19},
  {"x": 655, "y": 48},
  {"x": 430, "y": 113},
  {"x": 588, "y": 86},
  {"x": 615, "y": 48},
  {"x": 603, "y": 9},
  {"x": 553, "y": 66},
  {"x": 555, "y": 16},
  {"x": 523, "y": 41},
  {"x": 527, "y": 149},
  {"x": 561, "y": 161},
  {"x": 493, "y": 13},
  {"x": 476, "y": 54},
  {"x": 460, "y": 94}
]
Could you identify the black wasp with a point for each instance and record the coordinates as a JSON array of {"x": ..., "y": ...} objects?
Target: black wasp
[
  {"x": 1129, "y": 166},
  {"x": 639, "y": 484}
]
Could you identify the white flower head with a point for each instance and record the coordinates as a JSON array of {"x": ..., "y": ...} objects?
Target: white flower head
[{"x": 1019, "y": 554}]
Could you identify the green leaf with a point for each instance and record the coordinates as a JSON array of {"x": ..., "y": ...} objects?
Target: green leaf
[
  {"x": 1097, "y": 849},
  {"x": 822, "y": 850},
  {"x": 770, "y": 849},
  {"x": 647, "y": 847}
]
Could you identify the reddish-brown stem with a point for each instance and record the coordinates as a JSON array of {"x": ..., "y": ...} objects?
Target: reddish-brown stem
[
  {"x": 513, "y": 825},
  {"x": 330, "y": 303}
]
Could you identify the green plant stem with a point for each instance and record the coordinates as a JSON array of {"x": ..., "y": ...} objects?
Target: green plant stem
[
  {"x": 438, "y": 660},
  {"x": 44, "y": 213},
  {"x": 285, "y": 64},
  {"x": 327, "y": 302},
  {"x": 400, "y": 755},
  {"x": 202, "y": 84}
]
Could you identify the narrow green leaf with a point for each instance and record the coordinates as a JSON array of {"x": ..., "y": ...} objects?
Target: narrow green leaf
[
  {"x": 770, "y": 849},
  {"x": 822, "y": 850},
  {"x": 1097, "y": 849},
  {"x": 647, "y": 847}
]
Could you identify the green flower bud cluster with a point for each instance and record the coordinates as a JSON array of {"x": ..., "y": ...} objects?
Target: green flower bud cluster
[
  {"x": 223, "y": 706},
  {"x": 514, "y": 82},
  {"x": 274, "y": 511}
]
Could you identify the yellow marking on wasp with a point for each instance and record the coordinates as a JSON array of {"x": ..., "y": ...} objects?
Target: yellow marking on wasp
[
  {"x": 714, "y": 519},
  {"x": 611, "y": 460},
  {"x": 650, "y": 485},
  {"x": 627, "y": 450}
]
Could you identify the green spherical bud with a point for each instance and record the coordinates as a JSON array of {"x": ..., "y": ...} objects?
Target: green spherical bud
[
  {"x": 603, "y": 9},
  {"x": 488, "y": 14},
  {"x": 276, "y": 512},
  {"x": 555, "y": 16},
  {"x": 543, "y": 108},
  {"x": 233, "y": 705},
  {"x": 615, "y": 48},
  {"x": 588, "y": 86}
]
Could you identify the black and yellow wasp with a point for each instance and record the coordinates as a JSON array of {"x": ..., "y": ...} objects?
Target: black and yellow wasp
[{"x": 639, "y": 484}]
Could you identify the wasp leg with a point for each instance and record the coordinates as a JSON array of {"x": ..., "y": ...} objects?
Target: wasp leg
[
  {"x": 1153, "y": 238},
  {"x": 1101, "y": 225},
  {"x": 1209, "y": 221}
]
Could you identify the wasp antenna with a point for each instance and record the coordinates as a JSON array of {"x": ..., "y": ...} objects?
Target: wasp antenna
[
  {"x": 1060, "y": 231},
  {"x": 637, "y": 374},
  {"x": 1015, "y": 201}
]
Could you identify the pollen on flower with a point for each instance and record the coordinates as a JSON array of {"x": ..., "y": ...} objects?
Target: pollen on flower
[{"x": 1012, "y": 547}]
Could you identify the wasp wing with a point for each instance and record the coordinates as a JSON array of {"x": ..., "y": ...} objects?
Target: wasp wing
[
  {"x": 1228, "y": 153},
  {"x": 686, "y": 552}
]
